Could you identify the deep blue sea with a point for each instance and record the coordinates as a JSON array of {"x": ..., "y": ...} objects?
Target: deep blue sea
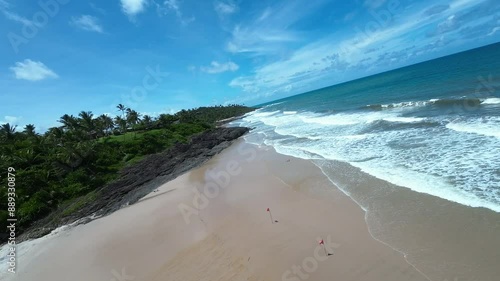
[{"x": 433, "y": 127}]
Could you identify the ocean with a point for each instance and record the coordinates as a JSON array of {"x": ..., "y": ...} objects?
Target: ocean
[{"x": 432, "y": 127}]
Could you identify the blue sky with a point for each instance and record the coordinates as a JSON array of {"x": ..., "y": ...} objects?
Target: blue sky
[{"x": 161, "y": 56}]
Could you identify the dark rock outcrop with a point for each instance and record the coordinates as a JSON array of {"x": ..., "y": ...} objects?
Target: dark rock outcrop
[{"x": 141, "y": 178}]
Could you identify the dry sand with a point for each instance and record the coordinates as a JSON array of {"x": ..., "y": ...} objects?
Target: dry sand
[{"x": 232, "y": 237}]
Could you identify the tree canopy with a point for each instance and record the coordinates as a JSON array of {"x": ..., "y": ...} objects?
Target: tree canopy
[{"x": 68, "y": 162}]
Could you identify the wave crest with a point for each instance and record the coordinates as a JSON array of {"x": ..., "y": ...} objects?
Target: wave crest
[{"x": 437, "y": 102}]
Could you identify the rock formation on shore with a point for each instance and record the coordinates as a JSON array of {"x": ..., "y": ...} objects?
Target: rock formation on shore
[{"x": 141, "y": 178}]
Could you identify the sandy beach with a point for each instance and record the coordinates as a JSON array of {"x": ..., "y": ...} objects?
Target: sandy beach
[
  {"x": 233, "y": 140},
  {"x": 229, "y": 236}
]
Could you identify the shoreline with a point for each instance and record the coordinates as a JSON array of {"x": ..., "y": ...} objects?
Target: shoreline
[
  {"x": 230, "y": 214},
  {"x": 405, "y": 255},
  {"x": 441, "y": 238},
  {"x": 210, "y": 246}
]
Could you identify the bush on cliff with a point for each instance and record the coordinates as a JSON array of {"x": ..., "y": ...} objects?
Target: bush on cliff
[{"x": 86, "y": 152}]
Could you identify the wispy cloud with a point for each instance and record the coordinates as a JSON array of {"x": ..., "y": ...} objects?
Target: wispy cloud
[
  {"x": 303, "y": 66},
  {"x": 225, "y": 8},
  {"x": 32, "y": 71},
  {"x": 259, "y": 39},
  {"x": 217, "y": 67},
  {"x": 97, "y": 9},
  {"x": 6, "y": 9},
  {"x": 12, "y": 120},
  {"x": 268, "y": 32},
  {"x": 436, "y": 9},
  {"x": 133, "y": 7},
  {"x": 329, "y": 58},
  {"x": 87, "y": 22},
  {"x": 17, "y": 18},
  {"x": 465, "y": 16},
  {"x": 374, "y": 4},
  {"x": 350, "y": 16},
  {"x": 173, "y": 6},
  {"x": 494, "y": 30}
]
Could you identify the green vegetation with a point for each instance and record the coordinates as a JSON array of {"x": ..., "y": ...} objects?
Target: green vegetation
[{"x": 65, "y": 166}]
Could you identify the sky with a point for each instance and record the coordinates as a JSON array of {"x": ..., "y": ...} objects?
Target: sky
[{"x": 157, "y": 56}]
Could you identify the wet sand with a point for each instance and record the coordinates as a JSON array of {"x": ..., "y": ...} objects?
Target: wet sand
[
  {"x": 446, "y": 240},
  {"x": 231, "y": 235}
]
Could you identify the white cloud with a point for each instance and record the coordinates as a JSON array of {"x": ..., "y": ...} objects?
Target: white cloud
[
  {"x": 17, "y": 18},
  {"x": 87, "y": 22},
  {"x": 267, "y": 12},
  {"x": 246, "y": 83},
  {"x": 32, "y": 71},
  {"x": 335, "y": 58},
  {"x": 5, "y": 8},
  {"x": 97, "y": 9},
  {"x": 269, "y": 32},
  {"x": 350, "y": 16},
  {"x": 436, "y": 9},
  {"x": 174, "y": 6},
  {"x": 222, "y": 8},
  {"x": 374, "y": 4},
  {"x": 493, "y": 31},
  {"x": 12, "y": 120},
  {"x": 303, "y": 66},
  {"x": 217, "y": 67},
  {"x": 133, "y": 7},
  {"x": 259, "y": 40}
]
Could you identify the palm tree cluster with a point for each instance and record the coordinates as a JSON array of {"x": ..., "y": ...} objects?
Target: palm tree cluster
[
  {"x": 102, "y": 125},
  {"x": 86, "y": 151}
]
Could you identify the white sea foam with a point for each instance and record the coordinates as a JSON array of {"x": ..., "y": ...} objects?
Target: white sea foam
[
  {"x": 424, "y": 183},
  {"x": 356, "y": 137},
  {"x": 486, "y": 127},
  {"x": 264, "y": 114},
  {"x": 404, "y": 119},
  {"x": 491, "y": 101},
  {"x": 406, "y": 104},
  {"x": 336, "y": 120},
  {"x": 438, "y": 160},
  {"x": 273, "y": 104},
  {"x": 345, "y": 119}
]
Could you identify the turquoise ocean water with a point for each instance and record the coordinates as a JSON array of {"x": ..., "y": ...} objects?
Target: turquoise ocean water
[{"x": 433, "y": 127}]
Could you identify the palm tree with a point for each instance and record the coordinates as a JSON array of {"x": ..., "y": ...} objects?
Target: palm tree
[
  {"x": 147, "y": 121},
  {"x": 133, "y": 117},
  {"x": 121, "y": 123},
  {"x": 28, "y": 156},
  {"x": 56, "y": 135},
  {"x": 88, "y": 123},
  {"x": 165, "y": 120},
  {"x": 69, "y": 122},
  {"x": 29, "y": 129},
  {"x": 106, "y": 123},
  {"x": 7, "y": 132},
  {"x": 121, "y": 108}
]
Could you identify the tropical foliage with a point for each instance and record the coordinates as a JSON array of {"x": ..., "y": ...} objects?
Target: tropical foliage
[{"x": 85, "y": 152}]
